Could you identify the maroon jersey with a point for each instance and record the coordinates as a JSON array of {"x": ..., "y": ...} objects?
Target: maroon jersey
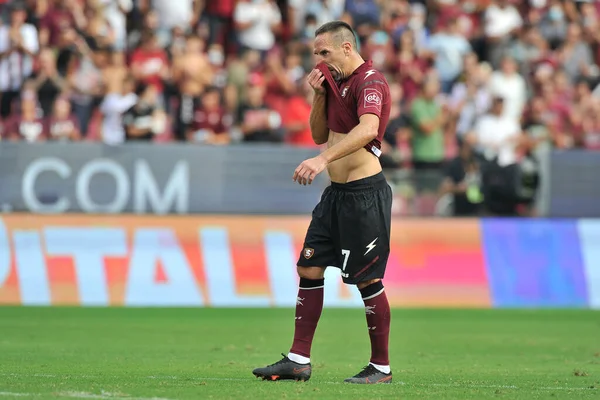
[
  {"x": 223, "y": 8},
  {"x": 28, "y": 130},
  {"x": 365, "y": 91},
  {"x": 57, "y": 20},
  {"x": 217, "y": 120},
  {"x": 61, "y": 129}
]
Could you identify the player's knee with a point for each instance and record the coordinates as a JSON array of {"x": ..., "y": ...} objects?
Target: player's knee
[
  {"x": 311, "y": 272},
  {"x": 362, "y": 285}
]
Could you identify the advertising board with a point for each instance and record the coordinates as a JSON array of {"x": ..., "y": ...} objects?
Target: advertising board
[{"x": 249, "y": 261}]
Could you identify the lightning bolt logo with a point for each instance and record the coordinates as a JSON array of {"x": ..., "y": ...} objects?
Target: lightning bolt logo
[
  {"x": 371, "y": 246},
  {"x": 369, "y": 73}
]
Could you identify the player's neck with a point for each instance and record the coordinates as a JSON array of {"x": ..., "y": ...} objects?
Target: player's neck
[{"x": 354, "y": 64}]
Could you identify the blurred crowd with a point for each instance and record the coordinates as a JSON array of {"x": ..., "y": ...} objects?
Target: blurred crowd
[{"x": 505, "y": 76}]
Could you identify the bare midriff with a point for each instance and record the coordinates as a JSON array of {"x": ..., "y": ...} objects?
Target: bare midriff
[{"x": 358, "y": 165}]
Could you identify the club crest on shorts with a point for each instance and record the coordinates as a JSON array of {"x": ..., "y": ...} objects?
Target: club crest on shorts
[
  {"x": 345, "y": 90},
  {"x": 308, "y": 252}
]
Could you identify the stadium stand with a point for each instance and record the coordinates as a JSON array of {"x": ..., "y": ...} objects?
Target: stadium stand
[{"x": 221, "y": 72}]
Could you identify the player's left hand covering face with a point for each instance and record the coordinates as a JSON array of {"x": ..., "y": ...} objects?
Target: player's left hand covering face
[{"x": 330, "y": 86}]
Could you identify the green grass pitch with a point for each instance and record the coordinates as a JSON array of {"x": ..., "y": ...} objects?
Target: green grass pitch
[{"x": 118, "y": 353}]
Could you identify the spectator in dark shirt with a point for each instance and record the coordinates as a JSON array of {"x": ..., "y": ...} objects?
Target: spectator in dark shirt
[
  {"x": 211, "y": 122},
  {"x": 259, "y": 123},
  {"x": 144, "y": 119},
  {"x": 36, "y": 9},
  {"x": 48, "y": 82},
  {"x": 462, "y": 181},
  {"x": 188, "y": 100}
]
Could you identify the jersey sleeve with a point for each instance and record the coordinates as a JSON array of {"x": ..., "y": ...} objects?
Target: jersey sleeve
[{"x": 372, "y": 95}]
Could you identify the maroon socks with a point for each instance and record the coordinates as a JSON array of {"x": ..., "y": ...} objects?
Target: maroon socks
[
  {"x": 377, "y": 310},
  {"x": 309, "y": 305}
]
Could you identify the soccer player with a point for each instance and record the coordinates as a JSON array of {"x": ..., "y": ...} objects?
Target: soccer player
[{"x": 350, "y": 226}]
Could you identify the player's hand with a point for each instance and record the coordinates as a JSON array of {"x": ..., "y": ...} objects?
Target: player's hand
[
  {"x": 309, "y": 169},
  {"x": 315, "y": 79}
]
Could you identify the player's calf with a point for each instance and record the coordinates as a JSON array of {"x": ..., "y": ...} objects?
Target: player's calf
[{"x": 377, "y": 311}]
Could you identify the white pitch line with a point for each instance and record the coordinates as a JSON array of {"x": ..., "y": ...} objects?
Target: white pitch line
[
  {"x": 399, "y": 383},
  {"x": 106, "y": 395},
  {"x": 80, "y": 395}
]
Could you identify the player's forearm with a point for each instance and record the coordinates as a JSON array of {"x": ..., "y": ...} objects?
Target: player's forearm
[
  {"x": 356, "y": 139},
  {"x": 318, "y": 120}
]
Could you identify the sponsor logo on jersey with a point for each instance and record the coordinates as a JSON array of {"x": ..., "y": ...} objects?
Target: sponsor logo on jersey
[{"x": 372, "y": 97}]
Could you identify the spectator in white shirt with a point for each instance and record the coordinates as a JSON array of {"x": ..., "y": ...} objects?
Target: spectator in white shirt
[
  {"x": 510, "y": 85},
  {"x": 501, "y": 21},
  {"x": 18, "y": 45},
  {"x": 256, "y": 22},
  {"x": 449, "y": 48},
  {"x": 323, "y": 10},
  {"x": 177, "y": 13},
  {"x": 497, "y": 136},
  {"x": 120, "y": 97},
  {"x": 470, "y": 99},
  {"x": 115, "y": 13}
]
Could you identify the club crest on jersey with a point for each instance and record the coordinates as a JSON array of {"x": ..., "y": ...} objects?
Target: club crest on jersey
[
  {"x": 372, "y": 97},
  {"x": 308, "y": 252},
  {"x": 344, "y": 91}
]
